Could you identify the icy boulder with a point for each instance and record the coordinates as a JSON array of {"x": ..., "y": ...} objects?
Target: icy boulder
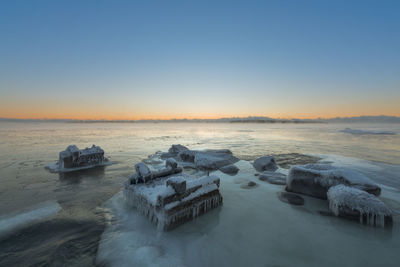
[
  {"x": 315, "y": 180},
  {"x": 353, "y": 203},
  {"x": 176, "y": 200},
  {"x": 266, "y": 163},
  {"x": 187, "y": 155}
]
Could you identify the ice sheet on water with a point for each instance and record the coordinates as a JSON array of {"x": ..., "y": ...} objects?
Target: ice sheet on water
[
  {"x": 366, "y": 132},
  {"x": 9, "y": 224},
  {"x": 252, "y": 228}
]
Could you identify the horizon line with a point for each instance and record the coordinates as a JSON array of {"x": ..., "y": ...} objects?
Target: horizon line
[{"x": 254, "y": 118}]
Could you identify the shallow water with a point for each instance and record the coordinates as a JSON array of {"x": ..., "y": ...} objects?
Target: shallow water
[{"x": 59, "y": 219}]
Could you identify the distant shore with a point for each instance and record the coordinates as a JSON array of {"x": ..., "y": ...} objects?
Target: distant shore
[{"x": 361, "y": 119}]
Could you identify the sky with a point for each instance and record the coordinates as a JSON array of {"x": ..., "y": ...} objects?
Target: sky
[{"x": 199, "y": 59}]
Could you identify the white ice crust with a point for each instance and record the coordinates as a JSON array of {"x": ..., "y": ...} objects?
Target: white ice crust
[
  {"x": 368, "y": 205},
  {"x": 330, "y": 175}
]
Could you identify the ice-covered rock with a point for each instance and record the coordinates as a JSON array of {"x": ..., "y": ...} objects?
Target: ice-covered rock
[
  {"x": 175, "y": 200},
  {"x": 171, "y": 163},
  {"x": 178, "y": 183},
  {"x": 273, "y": 177},
  {"x": 207, "y": 161},
  {"x": 353, "y": 203},
  {"x": 229, "y": 169},
  {"x": 142, "y": 170},
  {"x": 266, "y": 163},
  {"x": 315, "y": 180},
  {"x": 74, "y": 159},
  {"x": 187, "y": 155}
]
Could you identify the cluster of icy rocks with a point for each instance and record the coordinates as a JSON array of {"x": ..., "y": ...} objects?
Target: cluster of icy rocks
[
  {"x": 206, "y": 160},
  {"x": 350, "y": 194},
  {"x": 169, "y": 197}
]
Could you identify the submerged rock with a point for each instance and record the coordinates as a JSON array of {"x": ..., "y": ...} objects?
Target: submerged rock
[
  {"x": 352, "y": 203},
  {"x": 266, "y": 163},
  {"x": 315, "y": 180},
  {"x": 230, "y": 169},
  {"x": 291, "y": 198},
  {"x": 273, "y": 177},
  {"x": 249, "y": 185}
]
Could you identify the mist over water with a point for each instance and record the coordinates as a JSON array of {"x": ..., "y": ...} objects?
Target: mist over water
[{"x": 80, "y": 218}]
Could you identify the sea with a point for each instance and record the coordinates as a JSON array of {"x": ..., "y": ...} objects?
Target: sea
[{"x": 81, "y": 218}]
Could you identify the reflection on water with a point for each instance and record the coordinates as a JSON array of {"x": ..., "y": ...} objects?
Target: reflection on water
[{"x": 75, "y": 231}]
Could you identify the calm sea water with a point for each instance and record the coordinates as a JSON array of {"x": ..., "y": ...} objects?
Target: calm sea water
[{"x": 52, "y": 219}]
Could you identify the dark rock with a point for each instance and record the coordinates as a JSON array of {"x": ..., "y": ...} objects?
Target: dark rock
[
  {"x": 266, "y": 163},
  {"x": 326, "y": 213},
  {"x": 229, "y": 169},
  {"x": 187, "y": 155},
  {"x": 291, "y": 198},
  {"x": 273, "y": 178},
  {"x": 176, "y": 149},
  {"x": 249, "y": 185}
]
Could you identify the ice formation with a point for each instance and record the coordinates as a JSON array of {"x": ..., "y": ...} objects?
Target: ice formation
[
  {"x": 40, "y": 212},
  {"x": 266, "y": 163},
  {"x": 353, "y": 203},
  {"x": 363, "y": 132},
  {"x": 73, "y": 158},
  {"x": 171, "y": 199},
  {"x": 316, "y": 179},
  {"x": 206, "y": 160}
]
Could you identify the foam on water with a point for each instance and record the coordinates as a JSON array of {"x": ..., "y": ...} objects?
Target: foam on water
[{"x": 9, "y": 224}]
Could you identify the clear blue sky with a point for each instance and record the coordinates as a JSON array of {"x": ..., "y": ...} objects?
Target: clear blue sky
[{"x": 159, "y": 59}]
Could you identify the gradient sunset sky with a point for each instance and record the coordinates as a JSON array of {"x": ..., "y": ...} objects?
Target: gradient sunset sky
[{"x": 199, "y": 59}]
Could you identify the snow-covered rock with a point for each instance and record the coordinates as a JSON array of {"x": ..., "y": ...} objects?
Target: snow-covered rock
[
  {"x": 273, "y": 177},
  {"x": 353, "y": 203},
  {"x": 178, "y": 183},
  {"x": 142, "y": 170},
  {"x": 315, "y": 180},
  {"x": 75, "y": 159},
  {"x": 229, "y": 169},
  {"x": 266, "y": 163}
]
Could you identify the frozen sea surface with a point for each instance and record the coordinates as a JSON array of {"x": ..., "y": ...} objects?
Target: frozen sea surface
[{"x": 80, "y": 218}]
